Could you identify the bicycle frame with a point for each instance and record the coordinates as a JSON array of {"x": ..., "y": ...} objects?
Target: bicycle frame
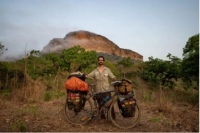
[{"x": 106, "y": 104}]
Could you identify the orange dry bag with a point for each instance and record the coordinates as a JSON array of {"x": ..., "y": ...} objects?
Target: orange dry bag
[{"x": 76, "y": 84}]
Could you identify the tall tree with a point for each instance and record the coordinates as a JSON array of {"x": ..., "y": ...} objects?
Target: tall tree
[
  {"x": 124, "y": 66},
  {"x": 190, "y": 63},
  {"x": 77, "y": 55}
]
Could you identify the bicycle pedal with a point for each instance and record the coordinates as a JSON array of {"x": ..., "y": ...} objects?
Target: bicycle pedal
[{"x": 84, "y": 118}]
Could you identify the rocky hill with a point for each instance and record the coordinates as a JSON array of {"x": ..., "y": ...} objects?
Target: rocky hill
[{"x": 89, "y": 41}]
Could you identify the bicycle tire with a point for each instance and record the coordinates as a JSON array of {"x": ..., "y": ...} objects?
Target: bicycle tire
[
  {"x": 120, "y": 121},
  {"x": 73, "y": 118}
]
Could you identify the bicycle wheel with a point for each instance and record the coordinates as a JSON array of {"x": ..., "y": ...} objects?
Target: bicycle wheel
[
  {"x": 120, "y": 121},
  {"x": 81, "y": 117}
]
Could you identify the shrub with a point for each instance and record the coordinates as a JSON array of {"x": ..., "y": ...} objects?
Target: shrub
[{"x": 47, "y": 96}]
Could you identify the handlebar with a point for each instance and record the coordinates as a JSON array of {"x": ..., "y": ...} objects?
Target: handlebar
[
  {"x": 116, "y": 83},
  {"x": 92, "y": 84}
]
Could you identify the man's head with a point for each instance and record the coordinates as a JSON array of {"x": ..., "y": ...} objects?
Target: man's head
[{"x": 101, "y": 60}]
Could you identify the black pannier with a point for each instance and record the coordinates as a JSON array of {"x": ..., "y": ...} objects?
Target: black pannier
[
  {"x": 76, "y": 100},
  {"x": 102, "y": 97},
  {"x": 127, "y": 105}
]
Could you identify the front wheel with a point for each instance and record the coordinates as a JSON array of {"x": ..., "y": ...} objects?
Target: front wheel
[
  {"x": 123, "y": 122},
  {"x": 80, "y": 117}
]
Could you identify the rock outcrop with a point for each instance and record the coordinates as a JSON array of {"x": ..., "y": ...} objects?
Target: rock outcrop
[{"x": 89, "y": 41}]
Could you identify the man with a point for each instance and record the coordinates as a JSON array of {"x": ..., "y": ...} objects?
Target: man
[{"x": 100, "y": 75}]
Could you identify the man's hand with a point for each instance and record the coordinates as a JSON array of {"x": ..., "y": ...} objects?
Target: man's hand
[
  {"x": 114, "y": 79},
  {"x": 86, "y": 75}
]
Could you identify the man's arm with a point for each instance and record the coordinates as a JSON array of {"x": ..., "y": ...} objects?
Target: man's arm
[
  {"x": 90, "y": 75},
  {"x": 112, "y": 76}
]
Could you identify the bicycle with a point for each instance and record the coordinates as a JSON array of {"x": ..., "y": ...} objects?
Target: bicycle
[{"x": 91, "y": 108}]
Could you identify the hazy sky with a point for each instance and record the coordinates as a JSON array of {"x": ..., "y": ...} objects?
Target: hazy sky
[{"x": 148, "y": 27}]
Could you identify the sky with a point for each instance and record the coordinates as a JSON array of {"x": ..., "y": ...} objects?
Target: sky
[{"x": 148, "y": 27}]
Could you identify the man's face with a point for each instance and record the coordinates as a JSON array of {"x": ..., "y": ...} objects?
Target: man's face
[{"x": 100, "y": 61}]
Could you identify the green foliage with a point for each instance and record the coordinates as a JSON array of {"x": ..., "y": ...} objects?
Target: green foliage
[
  {"x": 147, "y": 96},
  {"x": 2, "y": 49},
  {"x": 193, "y": 99},
  {"x": 124, "y": 67},
  {"x": 112, "y": 67},
  {"x": 77, "y": 55},
  {"x": 70, "y": 55},
  {"x": 35, "y": 53},
  {"x": 47, "y": 96},
  {"x": 87, "y": 58},
  {"x": 154, "y": 119},
  {"x": 33, "y": 109},
  {"x": 160, "y": 72},
  {"x": 190, "y": 63},
  {"x": 39, "y": 67},
  {"x": 89, "y": 69},
  {"x": 10, "y": 71},
  {"x": 135, "y": 83},
  {"x": 168, "y": 122},
  {"x": 54, "y": 59},
  {"x": 21, "y": 126},
  {"x": 126, "y": 62},
  {"x": 189, "y": 96},
  {"x": 58, "y": 94}
]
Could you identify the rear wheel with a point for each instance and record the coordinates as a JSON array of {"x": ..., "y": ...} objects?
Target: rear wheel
[
  {"x": 121, "y": 122},
  {"x": 81, "y": 117}
]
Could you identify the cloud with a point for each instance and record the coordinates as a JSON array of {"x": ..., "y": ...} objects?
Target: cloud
[{"x": 15, "y": 37}]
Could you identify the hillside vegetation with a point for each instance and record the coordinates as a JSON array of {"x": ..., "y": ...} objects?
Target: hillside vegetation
[{"x": 162, "y": 84}]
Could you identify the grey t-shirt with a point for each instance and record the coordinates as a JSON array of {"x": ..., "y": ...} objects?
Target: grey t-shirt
[{"x": 101, "y": 79}]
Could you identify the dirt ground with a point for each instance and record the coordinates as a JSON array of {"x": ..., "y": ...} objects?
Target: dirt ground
[{"x": 48, "y": 116}]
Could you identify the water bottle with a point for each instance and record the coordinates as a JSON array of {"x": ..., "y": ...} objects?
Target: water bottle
[{"x": 105, "y": 99}]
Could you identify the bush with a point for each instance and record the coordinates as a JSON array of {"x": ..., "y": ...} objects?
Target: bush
[
  {"x": 47, "y": 96},
  {"x": 193, "y": 99},
  {"x": 147, "y": 96}
]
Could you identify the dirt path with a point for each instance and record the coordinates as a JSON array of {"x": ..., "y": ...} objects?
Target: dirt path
[{"x": 49, "y": 117}]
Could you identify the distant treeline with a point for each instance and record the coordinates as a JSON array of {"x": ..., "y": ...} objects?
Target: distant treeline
[
  {"x": 114, "y": 58},
  {"x": 155, "y": 71}
]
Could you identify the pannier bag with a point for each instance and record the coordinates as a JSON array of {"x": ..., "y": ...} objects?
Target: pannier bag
[
  {"x": 103, "y": 97},
  {"x": 125, "y": 87},
  {"x": 75, "y": 100},
  {"x": 76, "y": 84},
  {"x": 127, "y": 106}
]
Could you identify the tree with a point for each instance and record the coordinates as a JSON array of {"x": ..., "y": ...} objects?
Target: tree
[
  {"x": 77, "y": 55},
  {"x": 126, "y": 62},
  {"x": 190, "y": 63},
  {"x": 70, "y": 55},
  {"x": 2, "y": 49},
  {"x": 87, "y": 58},
  {"x": 54, "y": 58},
  {"x": 35, "y": 53},
  {"x": 124, "y": 65},
  {"x": 161, "y": 72}
]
